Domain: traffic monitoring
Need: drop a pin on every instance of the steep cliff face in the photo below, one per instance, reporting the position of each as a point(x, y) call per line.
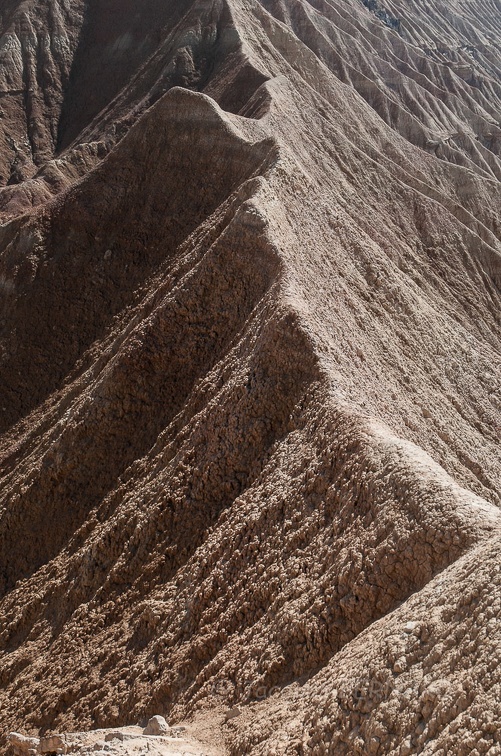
point(249, 370)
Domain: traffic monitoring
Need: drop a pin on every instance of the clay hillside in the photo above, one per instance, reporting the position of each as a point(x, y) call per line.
point(250, 376)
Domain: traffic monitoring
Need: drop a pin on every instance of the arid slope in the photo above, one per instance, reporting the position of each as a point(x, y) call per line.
point(250, 371)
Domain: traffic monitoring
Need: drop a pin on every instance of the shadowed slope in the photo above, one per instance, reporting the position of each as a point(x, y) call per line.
point(79, 262)
point(57, 124)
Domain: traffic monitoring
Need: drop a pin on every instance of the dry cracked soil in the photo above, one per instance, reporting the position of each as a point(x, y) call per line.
point(250, 377)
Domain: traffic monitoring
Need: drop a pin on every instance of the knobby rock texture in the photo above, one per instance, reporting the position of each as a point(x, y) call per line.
point(250, 375)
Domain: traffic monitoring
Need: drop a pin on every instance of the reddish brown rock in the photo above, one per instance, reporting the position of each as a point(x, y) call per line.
point(249, 373)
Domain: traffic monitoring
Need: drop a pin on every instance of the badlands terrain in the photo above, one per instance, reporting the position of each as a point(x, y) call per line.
point(250, 376)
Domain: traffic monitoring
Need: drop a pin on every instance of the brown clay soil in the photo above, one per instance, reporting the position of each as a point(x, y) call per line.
point(250, 374)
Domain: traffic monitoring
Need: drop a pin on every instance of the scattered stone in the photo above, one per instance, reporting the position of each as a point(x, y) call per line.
point(119, 735)
point(410, 627)
point(157, 726)
point(177, 732)
point(22, 745)
point(232, 713)
point(52, 744)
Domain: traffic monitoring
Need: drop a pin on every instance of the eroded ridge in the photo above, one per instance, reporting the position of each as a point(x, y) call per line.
point(250, 383)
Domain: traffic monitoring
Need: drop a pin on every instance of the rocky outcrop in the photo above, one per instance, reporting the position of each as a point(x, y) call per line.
point(123, 741)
